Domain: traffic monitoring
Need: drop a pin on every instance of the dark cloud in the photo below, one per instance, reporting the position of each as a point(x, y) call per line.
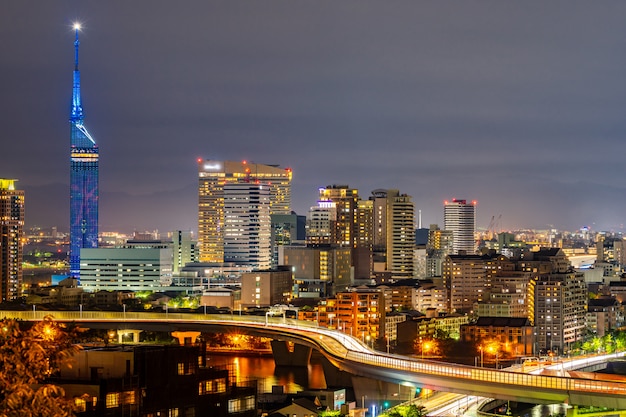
point(517, 105)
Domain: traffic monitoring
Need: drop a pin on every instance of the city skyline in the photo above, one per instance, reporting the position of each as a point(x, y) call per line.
point(516, 106)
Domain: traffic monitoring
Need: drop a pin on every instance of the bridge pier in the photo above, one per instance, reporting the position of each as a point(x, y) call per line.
point(290, 354)
point(380, 392)
point(125, 333)
point(186, 338)
point(334, 376)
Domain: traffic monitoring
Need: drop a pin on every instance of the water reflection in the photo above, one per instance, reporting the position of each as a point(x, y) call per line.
point(263, 369)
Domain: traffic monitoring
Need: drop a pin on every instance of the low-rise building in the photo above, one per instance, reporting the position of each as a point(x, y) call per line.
point(513, 336)
point(603, 315)
point(266, 288)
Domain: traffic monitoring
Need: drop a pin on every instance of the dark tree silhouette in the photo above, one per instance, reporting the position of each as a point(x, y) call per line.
point(28, 357)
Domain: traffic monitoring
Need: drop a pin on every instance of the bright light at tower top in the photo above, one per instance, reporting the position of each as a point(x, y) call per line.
point(76, 26)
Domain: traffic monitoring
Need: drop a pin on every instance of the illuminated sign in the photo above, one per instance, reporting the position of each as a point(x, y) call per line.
point(210, 167)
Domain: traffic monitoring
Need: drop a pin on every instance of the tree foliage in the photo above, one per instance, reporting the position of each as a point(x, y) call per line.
point(28, 357)
point(410, 410)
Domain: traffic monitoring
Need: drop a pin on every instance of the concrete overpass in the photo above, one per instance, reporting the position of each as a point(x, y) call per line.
point(351, 355)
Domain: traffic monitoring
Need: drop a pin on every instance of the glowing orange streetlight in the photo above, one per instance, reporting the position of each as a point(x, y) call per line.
point(426, 346)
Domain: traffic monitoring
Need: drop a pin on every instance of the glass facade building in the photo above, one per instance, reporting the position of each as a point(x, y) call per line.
point(83, 178)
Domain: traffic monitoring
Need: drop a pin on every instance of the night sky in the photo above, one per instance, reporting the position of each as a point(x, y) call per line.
point(518, 105)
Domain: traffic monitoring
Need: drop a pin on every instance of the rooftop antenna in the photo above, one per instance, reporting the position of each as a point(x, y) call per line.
point(77, 107)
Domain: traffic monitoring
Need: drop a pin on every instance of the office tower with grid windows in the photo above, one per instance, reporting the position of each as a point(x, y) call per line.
point(394, 231)
point(213, 176)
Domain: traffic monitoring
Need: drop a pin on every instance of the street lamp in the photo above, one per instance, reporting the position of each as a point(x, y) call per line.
point(481, 355)
point(425, 347)
point(494, 351)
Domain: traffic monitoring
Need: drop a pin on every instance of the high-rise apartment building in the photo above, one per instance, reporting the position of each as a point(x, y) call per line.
point(345, 201)
point(438, 247)
point(11, 234)
point(83, 177)
point(459, 216)
point(353, 225)
point(394, 231)
point(560, 310)
point(213, 176)
point(247, 225)
point(320, 224)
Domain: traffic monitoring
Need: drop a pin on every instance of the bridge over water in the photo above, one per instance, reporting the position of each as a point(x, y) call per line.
point(351, 355)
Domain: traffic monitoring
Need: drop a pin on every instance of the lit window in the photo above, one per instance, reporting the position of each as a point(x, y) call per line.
point(129, 397)
point(80, 404)
point(112, 400)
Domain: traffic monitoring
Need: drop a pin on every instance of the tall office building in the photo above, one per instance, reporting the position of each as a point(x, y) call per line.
point(83, 177)
point(11, 234)
point(320, 224)
point(213, 175)
point(247, 225)
point(459, 216)
point(394, 231)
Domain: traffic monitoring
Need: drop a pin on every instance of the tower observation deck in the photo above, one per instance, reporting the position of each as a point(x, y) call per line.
point(83, 177)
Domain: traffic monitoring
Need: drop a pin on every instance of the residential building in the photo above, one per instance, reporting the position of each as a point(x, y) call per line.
point(66, 293)
point(604, 314)
point(431, 296)
point(467, 280)
point(320, 224)
point(512, 336)
point(417, 327)
point(438, 247)
point(360, 312)
point(459, 217)
point(154, 381)
point(11, 235)
point(560, 310)
point(512, 294)
point(352, 228)
point(319, 271)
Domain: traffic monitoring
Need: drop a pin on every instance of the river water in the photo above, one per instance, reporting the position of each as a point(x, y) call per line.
point(294, 379)
point(268, 375)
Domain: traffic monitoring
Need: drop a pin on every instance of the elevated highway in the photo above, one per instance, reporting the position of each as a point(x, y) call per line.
point(351, 355)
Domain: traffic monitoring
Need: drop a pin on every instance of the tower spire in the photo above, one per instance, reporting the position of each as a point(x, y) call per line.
point(83, 177)
point(77, 107)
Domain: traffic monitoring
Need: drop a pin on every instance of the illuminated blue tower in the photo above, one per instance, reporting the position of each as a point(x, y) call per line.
point(83, 177)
